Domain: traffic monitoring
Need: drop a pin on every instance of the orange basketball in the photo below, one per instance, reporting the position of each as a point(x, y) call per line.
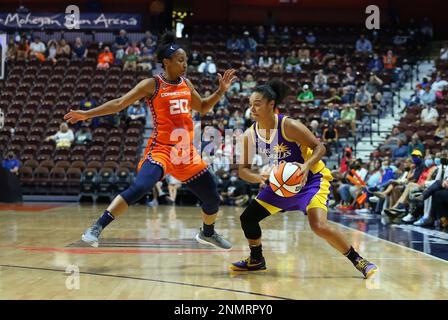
point(285, 179)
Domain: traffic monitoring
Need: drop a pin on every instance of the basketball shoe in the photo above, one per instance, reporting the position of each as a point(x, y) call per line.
point(214, 240)
point(249, 265)
point(365, 267)
point(91, 235)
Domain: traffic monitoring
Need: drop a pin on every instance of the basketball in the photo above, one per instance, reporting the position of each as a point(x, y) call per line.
point(285, 179)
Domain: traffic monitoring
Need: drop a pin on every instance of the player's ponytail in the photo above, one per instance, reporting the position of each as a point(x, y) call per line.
point(275, 90)
point(167, 46)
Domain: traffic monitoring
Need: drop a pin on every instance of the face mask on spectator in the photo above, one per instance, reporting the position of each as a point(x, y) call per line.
point(429, 162)
point(437, 161)
point(384, 167)
point(348, 154)
point(233, 178)
point(417, 160)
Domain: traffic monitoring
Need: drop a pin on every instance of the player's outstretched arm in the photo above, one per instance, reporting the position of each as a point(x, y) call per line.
point(142, 89)
point(203, 105)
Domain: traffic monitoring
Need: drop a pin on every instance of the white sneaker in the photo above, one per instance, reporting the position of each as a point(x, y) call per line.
point(409, 218)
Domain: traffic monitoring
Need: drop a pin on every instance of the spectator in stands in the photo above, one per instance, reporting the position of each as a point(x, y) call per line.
point(11, 53)
point(304, 54)
point(173, 186)
point(83, 136)
point(429, 169)
point(221, 164)
point(439, 85)
point(249, 62)
point(346, 160)
point(264, 60)
point(392, 142)
point(390, 60)
point(234, 44)
point(292, 63)
point(63, 138)
point(120, 44)
point(89, 103)
point(2, 119)
point(234, 190)
point(330, 67)
point(427, 96)
point(363, 99)
point(330, 137)
point(426, 27)
point(23, 49)
point(320, 81)
point(130, 59)
point(136, 112)
point(415, 144)
point(223, 103)
point(363, 44)
point(401, 151)
point(441, 131)
point(79, 51)
point(285, 36)
point(279, 61)
point(11, 163)
point(195, 60)
point(310, 38)
point(134, 47)
point(261, 34)
point(429, 115)
point(376, 64)
point(373, 86)
point(306, 96)
point(105, 59)
point(63, 50)
point(52, 51)
point(37, 49)
point(314, 127)
point(148, 37)
point(317, 56)
point(208, 67)
point(348, 117)
point(144, 60)
point(248, 43)
point(439, 205)
point(331, 115)
point(237, 120)
point(334, 97)
point(247, 85)
point(444, 52)
point(348, 78)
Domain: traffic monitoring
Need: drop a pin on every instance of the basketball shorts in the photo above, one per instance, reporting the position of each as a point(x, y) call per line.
point(315, 194)
point(183, 163)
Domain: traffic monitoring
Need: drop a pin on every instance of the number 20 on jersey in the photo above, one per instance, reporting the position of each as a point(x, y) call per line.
point(179, 106)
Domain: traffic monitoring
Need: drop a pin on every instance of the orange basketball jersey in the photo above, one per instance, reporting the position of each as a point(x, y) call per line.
point(170, 107)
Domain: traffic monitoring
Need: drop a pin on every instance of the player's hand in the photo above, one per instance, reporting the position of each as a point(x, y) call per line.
point(226, 81)
point(304, 170)
point(75, 115)
point(445, 184)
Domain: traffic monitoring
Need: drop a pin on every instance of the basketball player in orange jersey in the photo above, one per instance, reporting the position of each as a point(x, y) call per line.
point(171, 98)
point(279, 138)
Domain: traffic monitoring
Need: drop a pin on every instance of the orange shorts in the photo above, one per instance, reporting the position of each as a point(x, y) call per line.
point(184, 164)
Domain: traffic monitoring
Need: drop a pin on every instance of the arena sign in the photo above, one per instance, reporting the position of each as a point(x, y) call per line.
point(98, 21)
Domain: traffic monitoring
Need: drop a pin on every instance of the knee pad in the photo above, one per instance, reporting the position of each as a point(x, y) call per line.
point(250, 219)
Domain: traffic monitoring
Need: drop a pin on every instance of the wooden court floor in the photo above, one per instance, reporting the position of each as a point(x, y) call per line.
point(150, 254)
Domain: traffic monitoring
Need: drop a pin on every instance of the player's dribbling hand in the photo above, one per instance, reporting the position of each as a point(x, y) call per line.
point(226, 81)
point(75, 115)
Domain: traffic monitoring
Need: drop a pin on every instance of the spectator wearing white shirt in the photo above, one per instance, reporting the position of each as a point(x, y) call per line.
point(63, 138)
point(37, 46)
point(2, 119)
point(208, 67)
point(444, 53)
point(439, 85)
point(429, 115)
point(265, 61)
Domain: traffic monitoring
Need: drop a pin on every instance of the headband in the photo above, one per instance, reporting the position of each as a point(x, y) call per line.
point(170, 49)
